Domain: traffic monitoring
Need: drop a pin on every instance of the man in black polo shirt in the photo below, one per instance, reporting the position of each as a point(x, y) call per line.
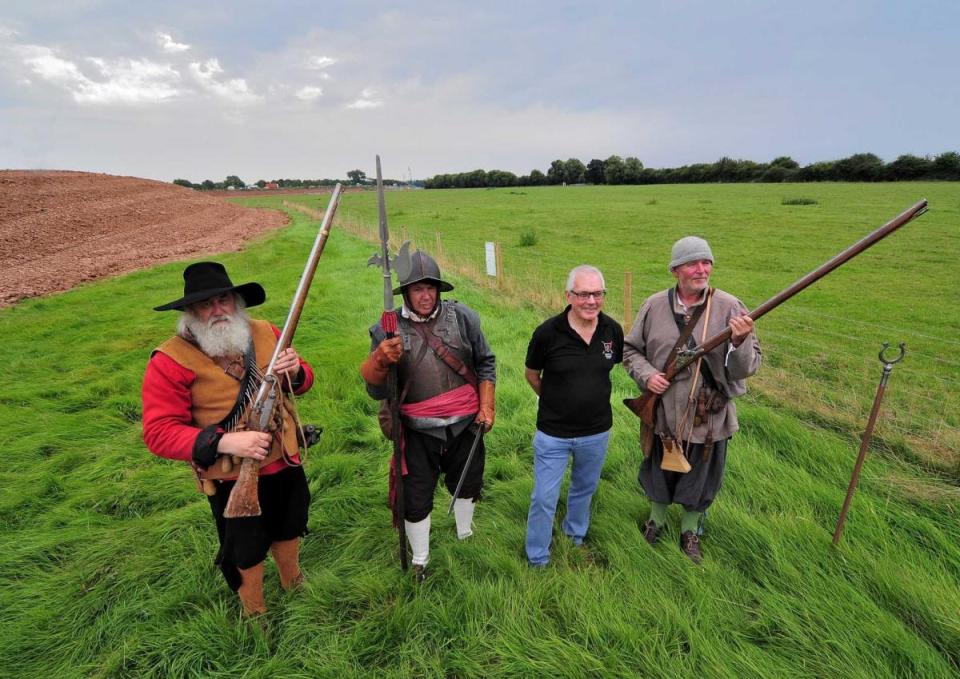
point(569, 360)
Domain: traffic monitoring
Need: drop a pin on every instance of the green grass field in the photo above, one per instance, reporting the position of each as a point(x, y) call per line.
point(106, 552)
point(820, 348)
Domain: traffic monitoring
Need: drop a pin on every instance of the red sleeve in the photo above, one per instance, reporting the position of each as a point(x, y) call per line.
point(167, 422)
point(307, 370)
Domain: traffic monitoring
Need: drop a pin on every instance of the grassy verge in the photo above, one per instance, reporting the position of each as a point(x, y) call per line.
point(105, 551)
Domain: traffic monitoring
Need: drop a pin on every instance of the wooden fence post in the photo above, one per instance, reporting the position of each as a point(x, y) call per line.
point(627, 300)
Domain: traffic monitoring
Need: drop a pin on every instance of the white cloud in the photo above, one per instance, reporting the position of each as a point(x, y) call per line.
point(130, 81)
point(168, 44)
point(124, 81)
point(367, 100)
point(235, 90)
point(308, 93)
point(319, 63)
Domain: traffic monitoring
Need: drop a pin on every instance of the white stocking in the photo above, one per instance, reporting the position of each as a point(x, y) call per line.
point(463, 511)
point(419, 536)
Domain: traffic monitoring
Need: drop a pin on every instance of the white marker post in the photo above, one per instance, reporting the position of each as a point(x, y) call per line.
point(491, 253)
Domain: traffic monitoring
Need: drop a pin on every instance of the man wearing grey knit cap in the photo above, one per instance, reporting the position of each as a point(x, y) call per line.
point(695, 416)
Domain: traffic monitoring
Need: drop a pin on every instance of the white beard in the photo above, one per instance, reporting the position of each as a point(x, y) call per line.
point(218, 339)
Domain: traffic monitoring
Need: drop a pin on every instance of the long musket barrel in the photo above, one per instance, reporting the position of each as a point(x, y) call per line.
point(643, 406)
point(244, 500)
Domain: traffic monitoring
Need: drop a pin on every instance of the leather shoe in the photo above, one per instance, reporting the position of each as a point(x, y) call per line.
point(690, 545)
point(651, 531)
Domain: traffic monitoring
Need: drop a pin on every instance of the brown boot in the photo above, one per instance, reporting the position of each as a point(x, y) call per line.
point(651, 531)
point(690, 545)
point(251, 591)
point(286, 554)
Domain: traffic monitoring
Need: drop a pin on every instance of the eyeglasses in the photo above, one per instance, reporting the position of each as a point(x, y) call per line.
point(584, 296)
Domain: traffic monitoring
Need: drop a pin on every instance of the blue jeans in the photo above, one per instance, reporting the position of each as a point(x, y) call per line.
point(549, 463)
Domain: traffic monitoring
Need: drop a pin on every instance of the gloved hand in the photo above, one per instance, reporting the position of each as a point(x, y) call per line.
point(375, 368)
point(487, 412)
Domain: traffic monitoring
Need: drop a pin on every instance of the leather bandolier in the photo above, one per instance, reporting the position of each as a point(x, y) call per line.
point(423, 374)
point(214, 393)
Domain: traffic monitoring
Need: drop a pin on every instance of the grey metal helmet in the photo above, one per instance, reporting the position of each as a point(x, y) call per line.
point(416, 268)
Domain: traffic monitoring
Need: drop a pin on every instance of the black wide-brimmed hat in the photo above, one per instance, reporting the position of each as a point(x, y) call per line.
point(204, 280)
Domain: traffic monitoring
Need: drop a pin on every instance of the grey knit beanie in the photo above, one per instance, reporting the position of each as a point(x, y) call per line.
point(689, 249)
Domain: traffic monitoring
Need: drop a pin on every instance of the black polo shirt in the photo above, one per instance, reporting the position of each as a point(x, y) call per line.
point(575, 377)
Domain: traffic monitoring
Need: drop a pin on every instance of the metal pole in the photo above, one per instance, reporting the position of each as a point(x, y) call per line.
point(867, 435)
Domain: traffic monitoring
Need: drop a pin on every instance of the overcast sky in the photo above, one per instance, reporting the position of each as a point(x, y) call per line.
point(267, 90)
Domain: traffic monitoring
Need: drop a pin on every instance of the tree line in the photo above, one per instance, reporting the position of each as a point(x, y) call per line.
point(239, 184)
point(860, 167)
point(354, 178)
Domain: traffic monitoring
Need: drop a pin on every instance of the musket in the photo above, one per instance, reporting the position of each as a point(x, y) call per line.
point(388, 320)
point(244, 500)
point(645, 405)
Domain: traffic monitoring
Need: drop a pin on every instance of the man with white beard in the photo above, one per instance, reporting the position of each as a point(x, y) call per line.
point(196, 390)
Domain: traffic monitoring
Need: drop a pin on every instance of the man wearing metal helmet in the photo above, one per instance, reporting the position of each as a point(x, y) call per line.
point(695, 416)
point(446, 375)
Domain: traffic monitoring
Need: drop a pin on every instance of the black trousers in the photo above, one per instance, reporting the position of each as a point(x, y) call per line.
point(696, 489)
point(426, 457)
point(284, 501)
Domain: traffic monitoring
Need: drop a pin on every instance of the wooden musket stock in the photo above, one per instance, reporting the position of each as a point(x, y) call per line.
point(244, 500)
point(644, 406)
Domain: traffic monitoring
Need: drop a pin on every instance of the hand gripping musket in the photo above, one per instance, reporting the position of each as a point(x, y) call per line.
point(244, 499)
point(388, 320)
point(645, 405)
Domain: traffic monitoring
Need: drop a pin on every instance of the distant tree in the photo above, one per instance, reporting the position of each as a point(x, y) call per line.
point(860, 167)
point(574, 172)
point(775, 174)
point(557, 173)
point(632, 170)
point(823, 171)
point(908, 167)
point(235, 181)
point(208, 185)
point(501, 178)
point(261, 183)
point(594, 174)
point(357, 176)
point(786, 162)
point(184, 182)
point(947, 165)
point(613, 170)
point(537, 178)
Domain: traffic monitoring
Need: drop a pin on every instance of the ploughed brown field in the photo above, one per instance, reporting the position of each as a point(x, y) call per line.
point(59, 229)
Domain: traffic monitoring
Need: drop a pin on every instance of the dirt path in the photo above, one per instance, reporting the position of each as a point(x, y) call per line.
point(58, 229)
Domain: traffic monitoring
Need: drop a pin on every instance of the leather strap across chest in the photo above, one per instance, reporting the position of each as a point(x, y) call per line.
point(443, 352)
